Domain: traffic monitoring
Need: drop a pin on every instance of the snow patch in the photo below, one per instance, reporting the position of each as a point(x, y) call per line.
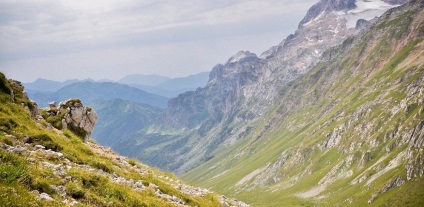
point(309, 39)
point(365, 9)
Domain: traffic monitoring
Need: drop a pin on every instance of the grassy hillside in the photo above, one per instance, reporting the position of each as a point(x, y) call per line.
point(348, 133)
point(49, 167)
point(120, 118)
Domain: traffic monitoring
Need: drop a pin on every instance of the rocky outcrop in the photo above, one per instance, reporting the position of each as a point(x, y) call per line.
point(78, 118)
point(18, 95)
point(38, 154)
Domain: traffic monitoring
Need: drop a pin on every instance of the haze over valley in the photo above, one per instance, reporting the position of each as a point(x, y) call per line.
point(329, 115)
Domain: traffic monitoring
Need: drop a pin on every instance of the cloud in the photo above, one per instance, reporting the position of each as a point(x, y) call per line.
point(37, 34)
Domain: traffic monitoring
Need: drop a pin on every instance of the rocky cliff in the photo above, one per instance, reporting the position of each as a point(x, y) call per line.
point(245, 87)
point(347, 133)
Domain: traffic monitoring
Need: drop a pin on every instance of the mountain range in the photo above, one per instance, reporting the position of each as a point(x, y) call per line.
point(331, 116)
point(44, 91)
point(347, 133)
point(246, 87)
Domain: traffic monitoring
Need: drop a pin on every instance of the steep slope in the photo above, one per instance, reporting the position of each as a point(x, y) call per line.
point(198, 124)
point(348, 133)
point(49, 167)
point(120, 118)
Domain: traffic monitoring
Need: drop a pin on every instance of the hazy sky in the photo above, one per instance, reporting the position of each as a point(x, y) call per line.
point(66, 39)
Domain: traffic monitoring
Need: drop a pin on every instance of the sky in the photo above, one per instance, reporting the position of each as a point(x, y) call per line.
point(109, 39)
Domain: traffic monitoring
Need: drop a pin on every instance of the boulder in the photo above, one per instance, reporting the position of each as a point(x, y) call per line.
point(78, 118)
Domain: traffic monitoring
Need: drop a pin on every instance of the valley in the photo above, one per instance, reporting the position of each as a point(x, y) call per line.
point(331, 116)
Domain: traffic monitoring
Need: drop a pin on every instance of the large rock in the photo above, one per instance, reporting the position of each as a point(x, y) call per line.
point(78, 118)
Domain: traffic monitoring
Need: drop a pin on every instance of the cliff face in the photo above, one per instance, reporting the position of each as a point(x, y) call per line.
point(348, 132)
point(245, 87)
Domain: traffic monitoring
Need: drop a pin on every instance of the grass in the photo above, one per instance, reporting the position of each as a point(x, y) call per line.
point(20, 174)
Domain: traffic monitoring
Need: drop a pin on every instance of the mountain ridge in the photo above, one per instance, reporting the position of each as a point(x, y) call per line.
point(238, 93)
point(349, 132)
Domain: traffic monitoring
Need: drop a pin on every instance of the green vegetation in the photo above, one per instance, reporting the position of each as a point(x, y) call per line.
point(338, 135)
point(69, 170)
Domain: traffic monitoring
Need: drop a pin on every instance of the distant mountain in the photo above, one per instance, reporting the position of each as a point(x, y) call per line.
point(188, 83)
point(173, 87)
point(90, 91)
point(41, 90)
point(149, 80)
point(120, 118)
point(43, 85)
point(158, 90)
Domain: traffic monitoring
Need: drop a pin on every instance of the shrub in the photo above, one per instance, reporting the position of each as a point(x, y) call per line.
point(74, 191)
point(42, 185)
point(45, 140)
point(102, 166)
point(4, 84)
point(56, 121)
point(93, 181)
point(77, 131)
point(132, 162)
point(7, 124)
point(8, 141)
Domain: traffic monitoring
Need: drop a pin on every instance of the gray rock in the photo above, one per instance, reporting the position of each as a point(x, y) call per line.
point(79, 117)
point(52, 104)
point(39, 146)
point(45, 196)
point(139, 184)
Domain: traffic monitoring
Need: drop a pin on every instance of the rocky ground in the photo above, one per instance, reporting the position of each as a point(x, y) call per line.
point(36, 154)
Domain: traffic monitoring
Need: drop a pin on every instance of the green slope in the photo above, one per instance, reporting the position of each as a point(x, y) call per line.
point(121, 118)
point(349, 132)
point(50, 167)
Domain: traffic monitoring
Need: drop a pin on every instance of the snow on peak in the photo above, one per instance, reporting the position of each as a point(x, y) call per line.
point(365, 9)
point(241, 55)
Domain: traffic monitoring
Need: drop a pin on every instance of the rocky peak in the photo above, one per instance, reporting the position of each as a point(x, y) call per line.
point(327, 6)
point(234, 65)
point(240, 56)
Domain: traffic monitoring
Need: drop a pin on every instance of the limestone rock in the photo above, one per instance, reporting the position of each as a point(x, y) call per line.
point(78, 117)
point(45, 196)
